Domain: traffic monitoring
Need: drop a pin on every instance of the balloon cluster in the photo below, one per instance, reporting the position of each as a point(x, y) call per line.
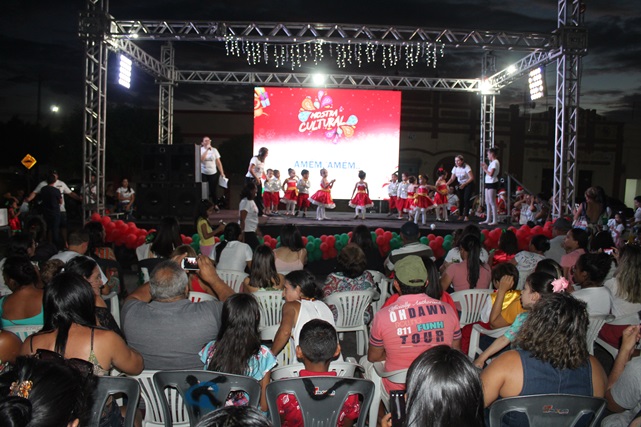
point(490, 238)
point(127, 234)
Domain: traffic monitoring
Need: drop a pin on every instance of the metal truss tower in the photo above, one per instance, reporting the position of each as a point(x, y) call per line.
point(94, 24)
point(566, 46)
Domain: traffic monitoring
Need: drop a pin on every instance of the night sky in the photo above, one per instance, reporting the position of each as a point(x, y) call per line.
point(39, 43)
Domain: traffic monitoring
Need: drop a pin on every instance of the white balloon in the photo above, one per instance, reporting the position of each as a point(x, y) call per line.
point(433, 226)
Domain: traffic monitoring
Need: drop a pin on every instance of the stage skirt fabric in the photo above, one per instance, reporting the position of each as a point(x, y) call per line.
point(422, 200)
point(400, 204)
point(291, 192)
point(361, 198)
point(409, 203)
point(440, 199)
point(323, 198)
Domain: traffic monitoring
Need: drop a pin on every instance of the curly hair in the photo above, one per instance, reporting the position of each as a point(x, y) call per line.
point(351, 261)
point(555, 331)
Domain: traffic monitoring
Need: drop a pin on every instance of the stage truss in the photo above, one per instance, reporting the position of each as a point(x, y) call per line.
point(565, 46)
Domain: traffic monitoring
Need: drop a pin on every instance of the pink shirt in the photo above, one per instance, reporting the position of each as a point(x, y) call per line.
point(413, 324)
point(458, 274)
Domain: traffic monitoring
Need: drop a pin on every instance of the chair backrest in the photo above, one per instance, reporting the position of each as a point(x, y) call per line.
point(204, 391)
point(147, 266)
point(23, 331)
point(287, 355)
point(320, 398)
point(471, 301)
point(114, 305)
point(384, 286)
point(342, 369)
point(234, 279)
point(200, 296)
point(107, 386)
point(154, 415)
point(551, 410)
point(350, 307)
point(596, 322)
point(271, 307)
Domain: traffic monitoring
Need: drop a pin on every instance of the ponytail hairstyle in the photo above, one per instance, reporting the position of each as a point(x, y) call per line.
point(440, 172)
point(472, 245)
point(307, 283)
point(361, 175)
point(232, 232)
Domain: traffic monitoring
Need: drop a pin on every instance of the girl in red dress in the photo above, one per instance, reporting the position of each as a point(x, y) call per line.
point(440, 198)
point(360, 197)
point(323, 197)
point(409, 202)
point(422, 201)
point(291, 192)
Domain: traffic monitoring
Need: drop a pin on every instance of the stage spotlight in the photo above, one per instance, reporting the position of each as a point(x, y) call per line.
point(319, 79)
point(486, 87)
point(124, 77)
point(537, 84)
point(511, 69)
point(55, 109)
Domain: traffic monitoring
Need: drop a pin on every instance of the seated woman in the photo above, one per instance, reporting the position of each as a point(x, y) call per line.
point(302, 303)
point(443, 389)
point(362, 237)
point(350, 276)
point(19, 245)
point(626, 295)
point(263, 275)
point(39, 393)
point(291, 255)
point(471, 272)
point(161, 243)
point(237, 348)
point(589, 272)
point(89, 270)
point(230, 253)
point(24, 305)
point(552, 356)
point(575, 244)
point(97, 245)
point(70, 330)
point(526, 261)
point(507, 250)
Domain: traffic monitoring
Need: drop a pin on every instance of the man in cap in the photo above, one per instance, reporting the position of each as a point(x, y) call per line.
point(559, 230)
point(411, 246)
point(414, 323)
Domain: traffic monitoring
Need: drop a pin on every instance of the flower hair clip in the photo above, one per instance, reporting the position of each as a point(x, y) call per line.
point(20, 389)
point(560, 285)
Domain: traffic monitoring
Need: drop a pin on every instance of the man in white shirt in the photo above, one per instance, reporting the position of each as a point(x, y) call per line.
point(64, 190)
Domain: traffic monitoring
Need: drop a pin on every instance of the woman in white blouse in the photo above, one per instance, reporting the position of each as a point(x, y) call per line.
point(491, 185)
point(462, 172)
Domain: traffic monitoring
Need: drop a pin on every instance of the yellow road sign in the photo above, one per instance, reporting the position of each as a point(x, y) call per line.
point(28, 161)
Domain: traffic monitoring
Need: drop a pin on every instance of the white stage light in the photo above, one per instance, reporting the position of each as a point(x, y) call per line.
point(55, 109)
point(319, 79)
point(537, 84)
point(511, 69)
point(124, 77)
point(486, 87)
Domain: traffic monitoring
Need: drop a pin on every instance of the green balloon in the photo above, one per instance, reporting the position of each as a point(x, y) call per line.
point(309, 247)
point(448, 237)
point(424, 240)
point(482, 237)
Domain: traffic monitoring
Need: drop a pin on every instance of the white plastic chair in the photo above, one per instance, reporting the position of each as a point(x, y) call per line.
point(471, 302)
point(632, 319)
point(287, 355)
point(114, 305)
point(350, 308)
point(153, 406)
point(234, 279)
point(596, 323)
point(23, 331)
point(200, 296)
point(475, 337)
point(384, 285)
point(342, 369)
point(271, 312)
point(376, 375)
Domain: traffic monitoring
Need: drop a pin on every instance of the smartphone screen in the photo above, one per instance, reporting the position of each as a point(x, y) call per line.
point(189, 263)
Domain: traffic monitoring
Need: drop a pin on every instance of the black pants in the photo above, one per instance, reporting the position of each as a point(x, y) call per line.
point(259, 194)
point(212, 180)
point(464, 196)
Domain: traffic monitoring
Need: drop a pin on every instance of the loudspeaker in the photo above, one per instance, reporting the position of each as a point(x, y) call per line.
point(184, 199)
point(152, 200)
point(155, 163)
point(170, 163)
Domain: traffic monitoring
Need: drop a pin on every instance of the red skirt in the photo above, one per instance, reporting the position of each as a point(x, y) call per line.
point(323, 198)
point(361, 199)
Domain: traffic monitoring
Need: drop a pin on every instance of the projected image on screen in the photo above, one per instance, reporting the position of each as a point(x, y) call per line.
point(341, 130)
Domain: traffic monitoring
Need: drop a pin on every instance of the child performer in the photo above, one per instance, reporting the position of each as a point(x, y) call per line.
point(13, 214)
point(323, 197)
point(392, 191)
point(422, 201)
point(401, 195)
point(291, 192)
point(271, 192)
point(501, 202)
point(452, 200)
point(440, 197)
point(409, 202)
point(303, 192)
point(361, 201)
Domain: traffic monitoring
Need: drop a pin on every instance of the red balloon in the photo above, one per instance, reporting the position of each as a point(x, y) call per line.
point(485, 232)
point(141, 232)
point(431, 237)
point(331, 240)
point(323, 247)
point(379, 231)
point(305, 240)
point(440, 239)
point(95, 217)
point(440, 252)
point(434, 245)
point(109, 227)
point(140, 240)
point(323, 238)
point(105, 220)
point(495, 234)
point(119, 223)
point(333, 253)
point(188, 240)
point(130, 240)
point(350, 234)
point(512, 229)
point(388, 235)
point(380, 241)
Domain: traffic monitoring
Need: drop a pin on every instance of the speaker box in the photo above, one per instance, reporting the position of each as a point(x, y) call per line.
point(155, 167)
point(170, 163)
point(184, 199)
point(152, 200)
